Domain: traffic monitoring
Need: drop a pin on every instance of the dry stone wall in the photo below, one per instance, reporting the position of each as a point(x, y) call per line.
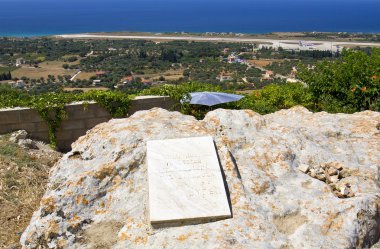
point(81, 118)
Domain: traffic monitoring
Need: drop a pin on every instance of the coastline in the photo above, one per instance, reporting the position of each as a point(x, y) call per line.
point(244, 38)
point(184, 33)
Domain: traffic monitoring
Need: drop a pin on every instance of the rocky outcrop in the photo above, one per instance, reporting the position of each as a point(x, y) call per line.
point(295, 179)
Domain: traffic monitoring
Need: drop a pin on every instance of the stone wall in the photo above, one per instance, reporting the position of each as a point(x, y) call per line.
point(80, 119)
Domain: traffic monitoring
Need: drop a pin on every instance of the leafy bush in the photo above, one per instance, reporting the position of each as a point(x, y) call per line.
point(51, 106)
point(276, 97)
point(11, 98)
point(270, 99)
point(349, 84)
point(181, 92)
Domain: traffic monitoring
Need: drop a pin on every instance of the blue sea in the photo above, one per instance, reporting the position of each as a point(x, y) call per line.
point(47, 17)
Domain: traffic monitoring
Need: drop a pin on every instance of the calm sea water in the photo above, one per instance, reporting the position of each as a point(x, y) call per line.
point(46, 17)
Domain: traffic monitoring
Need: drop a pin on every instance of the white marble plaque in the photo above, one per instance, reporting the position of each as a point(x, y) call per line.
point(185, 181)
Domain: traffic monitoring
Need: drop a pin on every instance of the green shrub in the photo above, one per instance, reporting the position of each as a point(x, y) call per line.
point(276, 97)
point(270, 99)
point(349, 84)
point(51, 106)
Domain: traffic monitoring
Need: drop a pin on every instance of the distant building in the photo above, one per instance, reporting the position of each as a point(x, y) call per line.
point(223, 76)
point(290, 80)
point(89, 54)
point(100, 73)
point(127, 80)
point(310, 67)
point(19, 62)
point(117, 86)
point(305, 44)
point(293, 73)
point(231, 58)
point(268, 75)
point(155, 83)
point(20, 84)
point(96, 82)
point(146, 81)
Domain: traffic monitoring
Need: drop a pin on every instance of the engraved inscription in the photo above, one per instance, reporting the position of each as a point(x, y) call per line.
point(194, 173)
point(185, 181)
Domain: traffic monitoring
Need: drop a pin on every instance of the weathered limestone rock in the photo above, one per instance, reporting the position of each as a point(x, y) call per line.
point(304, 168)
point(27, 144)
point(98, 193)
point(332, 171)
point(18, 135)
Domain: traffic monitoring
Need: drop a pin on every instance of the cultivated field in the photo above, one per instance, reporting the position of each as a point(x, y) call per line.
point(4, 69)
point(44, 69)
point(85, 75)
point(263, 63)
point(84, 89)
point(169, 75)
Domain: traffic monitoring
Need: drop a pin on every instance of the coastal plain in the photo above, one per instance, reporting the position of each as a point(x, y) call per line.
point(275, 43)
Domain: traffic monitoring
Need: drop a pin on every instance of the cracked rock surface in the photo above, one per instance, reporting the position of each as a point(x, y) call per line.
point(296, 179)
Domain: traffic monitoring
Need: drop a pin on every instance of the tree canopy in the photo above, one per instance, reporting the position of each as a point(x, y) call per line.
point(349, 84)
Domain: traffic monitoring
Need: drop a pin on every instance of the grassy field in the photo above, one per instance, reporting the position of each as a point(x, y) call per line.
point(23, 178)
point(263, 63)
point(169, 75)
point(85, 89)
point(50, 68)
point(85, 75)
point(6, 69)
point(44, 69)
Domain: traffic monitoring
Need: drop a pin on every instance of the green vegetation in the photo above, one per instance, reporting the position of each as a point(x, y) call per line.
point(5, 76)
point(6, 69)
point(343, 82)
point(146, 61)
point(270, 99)
point(343, 35)
point(276, 97)
point(50, 106)
point(181, 92)
point(309, 55)
point(349, 84)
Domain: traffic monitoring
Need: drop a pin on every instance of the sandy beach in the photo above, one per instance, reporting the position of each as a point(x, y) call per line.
point(286, 44)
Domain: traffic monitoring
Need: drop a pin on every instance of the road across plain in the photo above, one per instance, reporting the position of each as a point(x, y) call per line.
point(286, 44)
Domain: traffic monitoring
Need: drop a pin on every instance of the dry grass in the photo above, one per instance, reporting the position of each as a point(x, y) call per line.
point(85, 75)
point(169, 75)
point(85, 89)
point(246, 91)
point(23, 177)
point(263, 63)
point(44, 69)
